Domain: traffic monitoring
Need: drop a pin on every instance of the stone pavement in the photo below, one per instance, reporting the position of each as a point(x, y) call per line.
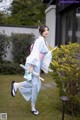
point(48, 85)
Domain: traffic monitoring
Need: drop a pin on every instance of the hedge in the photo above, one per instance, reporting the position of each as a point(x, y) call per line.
point(66, 73)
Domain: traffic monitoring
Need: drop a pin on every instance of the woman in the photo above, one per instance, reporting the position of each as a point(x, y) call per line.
point(30, 88)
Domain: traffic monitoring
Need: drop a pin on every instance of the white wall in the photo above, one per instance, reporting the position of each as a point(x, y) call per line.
point(51, 23)
point(8, 30)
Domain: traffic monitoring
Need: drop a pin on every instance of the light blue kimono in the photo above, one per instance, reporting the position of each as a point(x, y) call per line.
point(30, 89)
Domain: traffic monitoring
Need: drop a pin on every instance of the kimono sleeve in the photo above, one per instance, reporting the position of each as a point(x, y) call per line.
point(46, 62)
point(34, 57)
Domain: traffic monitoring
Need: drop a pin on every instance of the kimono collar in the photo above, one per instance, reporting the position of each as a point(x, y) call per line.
point(41, 37)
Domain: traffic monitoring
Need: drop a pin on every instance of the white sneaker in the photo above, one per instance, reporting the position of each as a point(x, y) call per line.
point(35, 112)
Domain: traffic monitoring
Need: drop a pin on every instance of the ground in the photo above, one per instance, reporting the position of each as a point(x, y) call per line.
point(17, 108)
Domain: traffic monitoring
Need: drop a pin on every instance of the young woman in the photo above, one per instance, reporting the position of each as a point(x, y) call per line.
point(34, 62)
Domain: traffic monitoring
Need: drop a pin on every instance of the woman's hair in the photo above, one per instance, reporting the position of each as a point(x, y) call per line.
point(42, 29)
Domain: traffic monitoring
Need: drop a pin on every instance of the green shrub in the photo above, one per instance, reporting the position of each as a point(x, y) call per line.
point(8, 67)
point(21, 46)
point(4, 43)
point(66, 72)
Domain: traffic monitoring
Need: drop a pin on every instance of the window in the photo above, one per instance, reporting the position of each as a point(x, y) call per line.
point(66, 27)
point(78, 25)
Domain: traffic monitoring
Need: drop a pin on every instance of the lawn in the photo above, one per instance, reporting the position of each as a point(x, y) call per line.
point(18, 109)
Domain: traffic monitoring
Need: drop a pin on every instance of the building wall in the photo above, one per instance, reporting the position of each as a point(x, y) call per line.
point(8, 30)
point(51, 23)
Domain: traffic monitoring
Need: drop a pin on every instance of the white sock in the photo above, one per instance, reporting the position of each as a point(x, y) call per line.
point(15, 86)
point(33, 108)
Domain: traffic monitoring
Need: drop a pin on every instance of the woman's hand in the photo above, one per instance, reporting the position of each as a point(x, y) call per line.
point(54, 48)
point(31, 68)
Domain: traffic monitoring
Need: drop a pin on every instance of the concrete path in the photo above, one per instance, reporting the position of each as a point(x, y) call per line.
point(48, 85)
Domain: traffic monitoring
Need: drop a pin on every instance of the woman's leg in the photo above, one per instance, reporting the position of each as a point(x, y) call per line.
point(36, 85)
point(25, 89)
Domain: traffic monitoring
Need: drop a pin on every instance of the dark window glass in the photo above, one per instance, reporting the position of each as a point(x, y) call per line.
point(69, 26)
point(66, 27)
point(78, 25)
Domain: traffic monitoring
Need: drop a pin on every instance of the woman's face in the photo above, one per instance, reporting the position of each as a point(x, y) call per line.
point(45, 33)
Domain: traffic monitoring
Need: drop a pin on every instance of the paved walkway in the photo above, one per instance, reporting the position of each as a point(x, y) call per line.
point(48, 85)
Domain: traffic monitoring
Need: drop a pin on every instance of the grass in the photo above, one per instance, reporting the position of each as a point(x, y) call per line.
point(18, 109)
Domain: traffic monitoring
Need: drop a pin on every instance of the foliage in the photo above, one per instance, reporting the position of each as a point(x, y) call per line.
point(26, 12)
point(2, 18)
point(66, 72)
point(21, 46)
point(4, 43)
point(9, 68)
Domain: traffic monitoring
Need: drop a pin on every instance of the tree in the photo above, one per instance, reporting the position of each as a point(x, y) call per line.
point(2, 17)
point(26, 12)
